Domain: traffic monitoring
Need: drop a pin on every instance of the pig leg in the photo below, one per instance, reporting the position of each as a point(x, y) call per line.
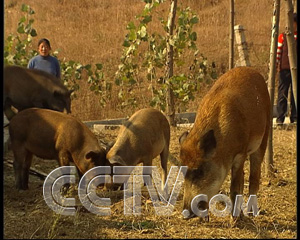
point(237, 177)
point(26, 168)
point(22, 164)
point(164, 164)
point(64, 159)
point(147, 174)
point(256, 159)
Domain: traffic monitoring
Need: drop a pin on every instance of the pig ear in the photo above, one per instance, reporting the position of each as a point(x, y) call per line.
point(95, 154)
point(208, 143)
point(183, 137)
point(109, 145)
point(117, 160)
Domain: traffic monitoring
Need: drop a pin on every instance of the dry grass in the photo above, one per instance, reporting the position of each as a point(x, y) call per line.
point(26, 214)
point(91, 31)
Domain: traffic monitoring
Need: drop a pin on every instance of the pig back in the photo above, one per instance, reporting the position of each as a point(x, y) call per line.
point(28, 87)
point(46, 132)
point(239, 98)
point(146, 133)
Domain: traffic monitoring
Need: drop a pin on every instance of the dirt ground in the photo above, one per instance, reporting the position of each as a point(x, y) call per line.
point(26, 214)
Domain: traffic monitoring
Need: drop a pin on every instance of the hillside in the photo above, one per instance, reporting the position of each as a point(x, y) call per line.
point(91, 31)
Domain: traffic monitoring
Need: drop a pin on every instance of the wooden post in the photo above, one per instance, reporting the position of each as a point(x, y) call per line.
point(292, 54)
point(170, 64)
point(231, 34)
point(269, 168)
point(241, 45)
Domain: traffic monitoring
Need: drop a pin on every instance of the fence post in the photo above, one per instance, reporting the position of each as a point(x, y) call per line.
point(231, 34)
point(241, 45)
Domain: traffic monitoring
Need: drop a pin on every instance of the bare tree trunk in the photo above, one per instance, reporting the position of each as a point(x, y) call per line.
point(170, 94)
point(231, 34)
point(291, 46)
point(271, 83)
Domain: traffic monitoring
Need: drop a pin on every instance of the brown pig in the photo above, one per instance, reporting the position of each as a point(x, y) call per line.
point(144, 136)
point(26, 88)
point(50, 134)
point(232, 122)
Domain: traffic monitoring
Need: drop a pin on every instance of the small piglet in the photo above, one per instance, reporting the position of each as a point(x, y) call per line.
point(144, 136)
point(50, 134)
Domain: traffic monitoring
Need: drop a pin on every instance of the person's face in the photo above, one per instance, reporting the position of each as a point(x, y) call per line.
point(44, 49)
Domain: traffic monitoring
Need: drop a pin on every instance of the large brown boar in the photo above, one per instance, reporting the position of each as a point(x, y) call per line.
point(144, 136)
point(50, 134)
point(232, 122)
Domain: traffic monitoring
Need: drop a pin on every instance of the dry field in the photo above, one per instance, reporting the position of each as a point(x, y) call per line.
point(93, 31)
point(26, 215)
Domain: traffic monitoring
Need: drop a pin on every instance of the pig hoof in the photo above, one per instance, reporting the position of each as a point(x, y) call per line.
point(187, 215)
point(204, 219)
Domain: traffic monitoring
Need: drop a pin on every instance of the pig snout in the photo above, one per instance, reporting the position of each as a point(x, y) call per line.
point(193, 207)
point(187, 214)
point(188, 197)
point(92, 159)
point(197, 210)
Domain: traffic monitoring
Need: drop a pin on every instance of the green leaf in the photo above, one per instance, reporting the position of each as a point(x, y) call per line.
point(99, 66)
point(20, 29)
point(33, 32)
point(79, 67)
point(118, 81)
point(22, 20)
point(193, 36)
point(88, 66)
point(214, 75)
point(90, 79)
point(132, 81)
point(194, 20)
point(131, 26)
point(147, 19)
point(24, 8)
point(143, 31)
point(31, 11)
point(171, 42)
point(126, 43)
point(77, 75)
